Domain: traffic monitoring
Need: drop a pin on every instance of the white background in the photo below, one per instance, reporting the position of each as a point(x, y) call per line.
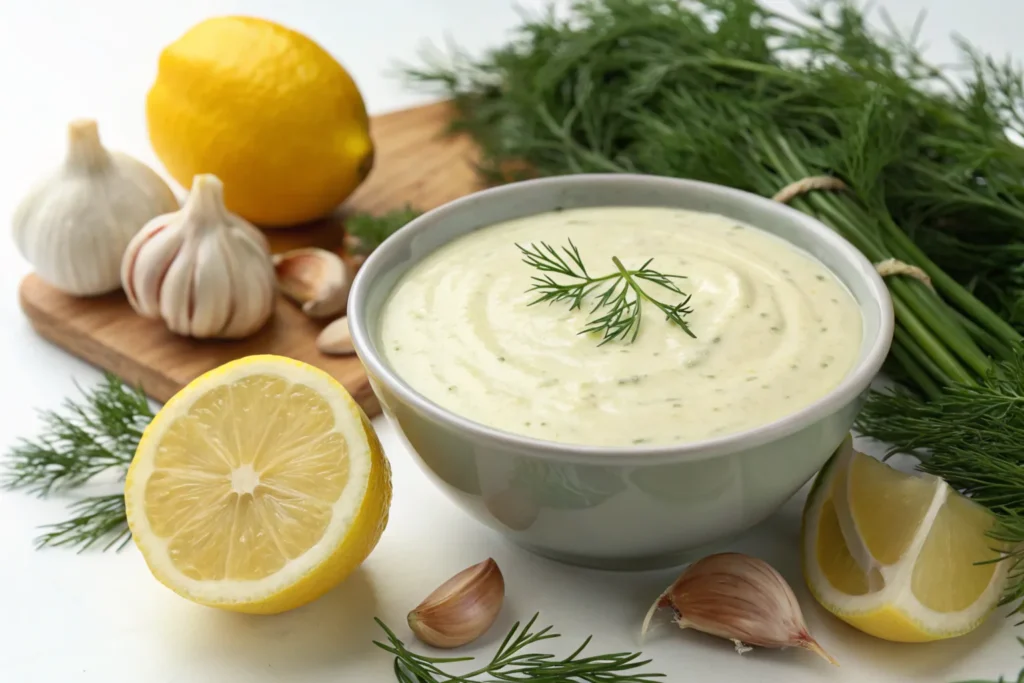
point(102, 617)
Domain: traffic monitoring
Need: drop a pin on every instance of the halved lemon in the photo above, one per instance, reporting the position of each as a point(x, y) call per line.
point(258, 487)
point(900, 556)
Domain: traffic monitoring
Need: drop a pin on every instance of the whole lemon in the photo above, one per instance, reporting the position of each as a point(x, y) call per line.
point(266, 110)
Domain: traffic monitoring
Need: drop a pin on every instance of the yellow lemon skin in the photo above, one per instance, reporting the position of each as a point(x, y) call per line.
point(360, 540)
point(891, 624)
point(266, 110)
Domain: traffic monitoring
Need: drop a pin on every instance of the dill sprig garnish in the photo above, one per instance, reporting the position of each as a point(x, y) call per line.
point(511, 663)
point(619, 292)
point(93, 436)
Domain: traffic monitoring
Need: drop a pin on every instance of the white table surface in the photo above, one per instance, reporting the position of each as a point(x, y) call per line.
point(102, 617)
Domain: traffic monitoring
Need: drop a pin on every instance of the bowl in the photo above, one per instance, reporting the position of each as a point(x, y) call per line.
point(617, 508)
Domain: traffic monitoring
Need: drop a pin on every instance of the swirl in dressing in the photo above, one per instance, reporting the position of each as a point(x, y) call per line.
point(775, 330)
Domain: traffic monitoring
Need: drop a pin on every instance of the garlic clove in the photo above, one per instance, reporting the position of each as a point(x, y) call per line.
point(336, 339)
point(253, 310)
point(176, 292)
point(739, 598)
point(317, 279)
point(208, 313)
point(142, 270)
point(461, 609)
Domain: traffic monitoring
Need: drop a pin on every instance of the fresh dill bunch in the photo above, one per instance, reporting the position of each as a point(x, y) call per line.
point(89, 437)
point(619, 292)
point(970, 435)
point(511, 663)
point(366, 232)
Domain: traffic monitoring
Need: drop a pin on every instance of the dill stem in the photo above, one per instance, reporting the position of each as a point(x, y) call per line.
point(926, 316)
point(943, 319)
point(984, 338)
point(627, 275)
point(924, 333)
point(954, 340)
point(933, 313)
point(908, 362)
point(931, 344)
point(955, 291)
point(901, 337)
point(922, 322)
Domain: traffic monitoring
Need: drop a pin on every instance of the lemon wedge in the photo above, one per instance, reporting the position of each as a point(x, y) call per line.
point(258, 487)
point(899, 556)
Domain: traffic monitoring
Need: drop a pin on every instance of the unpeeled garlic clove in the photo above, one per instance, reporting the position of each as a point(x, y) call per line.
point(462, 608)
point(336, 339)
point(317, 279)
point(740, 598)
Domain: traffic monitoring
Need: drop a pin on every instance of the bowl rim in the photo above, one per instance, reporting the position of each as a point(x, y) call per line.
point(846, 392)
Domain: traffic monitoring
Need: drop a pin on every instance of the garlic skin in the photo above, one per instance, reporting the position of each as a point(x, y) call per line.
point(75, 223)
point(317, 279)
point(739, 598)
point(462, 608)
point(206, 272)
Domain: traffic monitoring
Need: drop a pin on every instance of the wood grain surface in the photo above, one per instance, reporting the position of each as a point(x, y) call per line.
point(416, 164)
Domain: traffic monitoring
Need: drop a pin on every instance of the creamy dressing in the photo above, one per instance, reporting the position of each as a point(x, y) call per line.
point(775, 330)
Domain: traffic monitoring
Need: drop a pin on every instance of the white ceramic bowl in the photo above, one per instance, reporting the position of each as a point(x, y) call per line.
point(635, 507)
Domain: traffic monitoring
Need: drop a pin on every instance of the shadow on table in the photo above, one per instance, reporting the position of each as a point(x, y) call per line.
point(321, 635)
point(921, 661)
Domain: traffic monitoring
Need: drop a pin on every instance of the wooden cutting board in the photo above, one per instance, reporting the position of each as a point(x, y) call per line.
point(415, 164)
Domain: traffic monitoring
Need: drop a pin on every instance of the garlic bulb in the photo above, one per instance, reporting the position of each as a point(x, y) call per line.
point(74, 224)
point(205, 271)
